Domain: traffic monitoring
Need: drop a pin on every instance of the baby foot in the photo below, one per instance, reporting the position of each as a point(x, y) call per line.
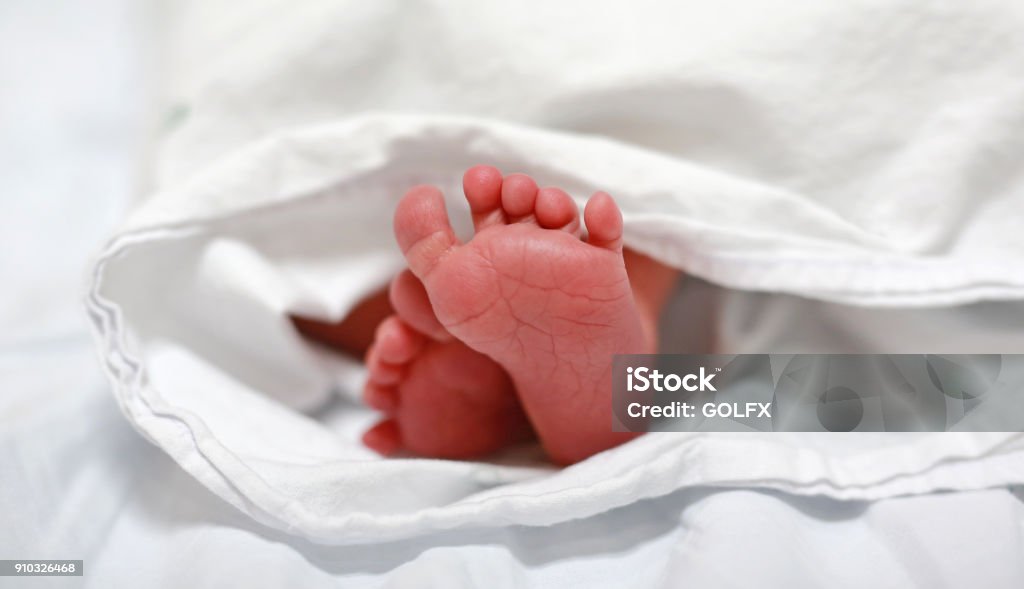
point(442, 399)
point(526, 291)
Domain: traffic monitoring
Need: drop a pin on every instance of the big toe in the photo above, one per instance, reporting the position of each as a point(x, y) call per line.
point(411, 302)
point(422, 229)
point(396, 342)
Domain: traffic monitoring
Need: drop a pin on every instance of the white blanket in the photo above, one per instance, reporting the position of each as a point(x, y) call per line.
point(862, 154)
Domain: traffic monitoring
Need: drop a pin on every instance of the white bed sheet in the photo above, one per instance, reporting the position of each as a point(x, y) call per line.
point(77, 482)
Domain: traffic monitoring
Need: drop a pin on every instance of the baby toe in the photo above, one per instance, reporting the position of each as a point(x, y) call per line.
point(518, 195)
point(380, 372)
point(384, 438)
point(482, 186)
point(604, 222)
point(556, 210)
point(381, 398)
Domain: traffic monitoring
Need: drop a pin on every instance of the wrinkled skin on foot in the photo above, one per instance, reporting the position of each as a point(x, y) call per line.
point(440, 398)
point(527, 292)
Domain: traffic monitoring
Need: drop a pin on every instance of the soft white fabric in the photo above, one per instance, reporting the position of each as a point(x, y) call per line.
point(865, 152)
point(862, 153)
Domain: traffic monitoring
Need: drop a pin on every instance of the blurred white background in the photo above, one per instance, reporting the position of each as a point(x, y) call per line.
point(76, 80)
point(75, 85)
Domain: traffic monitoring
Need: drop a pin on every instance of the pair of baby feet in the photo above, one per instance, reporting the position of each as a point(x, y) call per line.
point(516, 327)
